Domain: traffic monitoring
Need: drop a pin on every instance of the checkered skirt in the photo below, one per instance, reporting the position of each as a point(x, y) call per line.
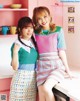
point(50, 66)
point(23, 86)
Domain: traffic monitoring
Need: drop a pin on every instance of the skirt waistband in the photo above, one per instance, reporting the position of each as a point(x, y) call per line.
point(53, 55)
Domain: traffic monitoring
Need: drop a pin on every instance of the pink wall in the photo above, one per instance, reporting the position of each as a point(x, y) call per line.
point(72, 39)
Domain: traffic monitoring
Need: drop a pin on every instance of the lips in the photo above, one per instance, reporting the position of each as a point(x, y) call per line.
point(43, 23)
point(29, 34)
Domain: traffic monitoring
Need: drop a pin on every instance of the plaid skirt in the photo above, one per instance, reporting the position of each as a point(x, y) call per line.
point(23, 86)
point(49, 66)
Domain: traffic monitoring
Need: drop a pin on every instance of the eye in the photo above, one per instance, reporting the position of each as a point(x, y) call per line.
point(26, 27)
point(39, 19)
point(31, 27)
point(45, 16)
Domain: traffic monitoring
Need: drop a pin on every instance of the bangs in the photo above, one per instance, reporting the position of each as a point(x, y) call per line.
point(27, 25)
point(41, 13)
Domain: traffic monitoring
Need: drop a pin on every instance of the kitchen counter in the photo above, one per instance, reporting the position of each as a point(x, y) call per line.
point(5, 76)
point(7, 73)
point(70, 87)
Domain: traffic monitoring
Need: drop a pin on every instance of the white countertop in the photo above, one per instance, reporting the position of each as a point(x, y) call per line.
point(5, 76)
point(70, 87)
point(7, 73)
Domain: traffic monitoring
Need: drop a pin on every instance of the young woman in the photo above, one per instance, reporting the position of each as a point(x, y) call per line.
point(24, 57)
point(52, 64)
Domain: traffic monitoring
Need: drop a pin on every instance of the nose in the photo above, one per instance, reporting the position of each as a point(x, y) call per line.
point(43, 20)
point(29, 30)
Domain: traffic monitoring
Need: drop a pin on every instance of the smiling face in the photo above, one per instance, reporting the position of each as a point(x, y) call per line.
point(43, 19)
point(27, 31)
point(25, 28)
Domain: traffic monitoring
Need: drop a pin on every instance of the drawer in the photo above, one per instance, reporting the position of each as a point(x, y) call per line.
point(5, 84)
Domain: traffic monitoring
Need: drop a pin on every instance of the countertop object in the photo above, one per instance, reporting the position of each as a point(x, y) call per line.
point(15, 6)
point(1, 6)
point(70, 87)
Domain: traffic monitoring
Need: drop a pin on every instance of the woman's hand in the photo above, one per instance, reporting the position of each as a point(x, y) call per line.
point(70, 74)
point(16, 48)
point(15, 60)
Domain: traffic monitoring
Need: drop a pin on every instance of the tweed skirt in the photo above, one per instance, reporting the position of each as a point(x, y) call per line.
point(49, 66)
point(23, 86)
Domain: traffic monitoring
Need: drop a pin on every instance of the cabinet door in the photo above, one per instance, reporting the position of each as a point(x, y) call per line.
point(31, 5)
point(5, 84)
point(46, 3)
point(57, 14)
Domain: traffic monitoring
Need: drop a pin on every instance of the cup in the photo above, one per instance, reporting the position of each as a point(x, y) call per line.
point(1, 6)
point(5, 30)
point(13, 29)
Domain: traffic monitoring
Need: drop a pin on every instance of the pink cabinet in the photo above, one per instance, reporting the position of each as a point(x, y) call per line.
point(4, 89)
point(11, 16)
point(57, 13)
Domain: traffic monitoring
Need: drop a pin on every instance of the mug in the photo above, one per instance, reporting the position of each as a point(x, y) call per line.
point(13, 29)
point(5, 30)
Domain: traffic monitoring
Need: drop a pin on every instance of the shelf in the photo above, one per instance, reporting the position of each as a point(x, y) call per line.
point(8, 35)
point(10, 16)
point(8, 9)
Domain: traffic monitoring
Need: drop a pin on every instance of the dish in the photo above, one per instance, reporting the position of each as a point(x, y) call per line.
point(15, 6)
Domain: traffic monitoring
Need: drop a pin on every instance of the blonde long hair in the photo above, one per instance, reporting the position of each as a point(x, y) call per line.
point(39, 11)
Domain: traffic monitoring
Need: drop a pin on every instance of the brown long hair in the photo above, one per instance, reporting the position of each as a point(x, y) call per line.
point(38, 11)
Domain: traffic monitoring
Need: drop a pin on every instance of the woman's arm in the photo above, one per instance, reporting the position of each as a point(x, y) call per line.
point(63, 57)
point(15, 62)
